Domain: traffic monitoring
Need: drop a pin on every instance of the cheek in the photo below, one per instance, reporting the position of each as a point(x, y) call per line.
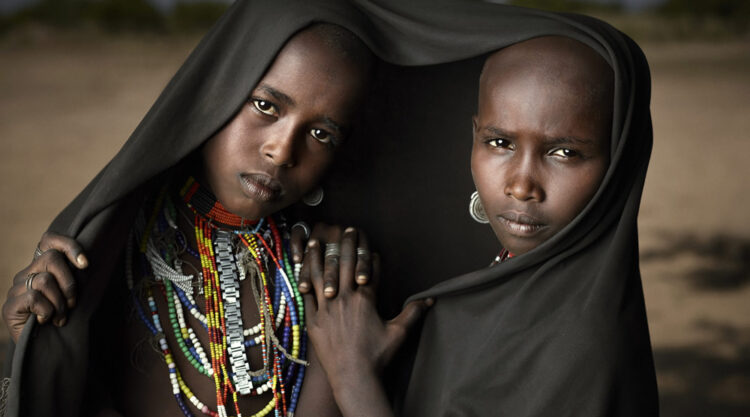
point(311, 168)
point(485, 169)
point(576, 190)
point(211, 156)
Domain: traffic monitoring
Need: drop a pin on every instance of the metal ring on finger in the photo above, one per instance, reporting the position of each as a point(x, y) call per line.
point(30, 280)
point(305, 228)
point(38, 252)
point(363, 252)
point(332, 250)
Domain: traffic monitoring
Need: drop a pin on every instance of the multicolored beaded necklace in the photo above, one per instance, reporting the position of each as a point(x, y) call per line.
point(501, 257)
point(257, 251)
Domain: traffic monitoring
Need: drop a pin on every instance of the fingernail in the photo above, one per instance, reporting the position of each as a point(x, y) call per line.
point(349, 230)
point(82, 261)
point(296, 258)
point(312, 243)
point(329, 291)
point(429, 302)
point(362, 279)
point(303, 286)
point(62, 322)
point(71, 302)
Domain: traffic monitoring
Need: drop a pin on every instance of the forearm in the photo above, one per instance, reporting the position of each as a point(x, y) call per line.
point(360, 393)
point(316, 396)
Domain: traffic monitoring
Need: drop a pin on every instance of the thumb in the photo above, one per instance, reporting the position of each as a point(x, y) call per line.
point(409, 316)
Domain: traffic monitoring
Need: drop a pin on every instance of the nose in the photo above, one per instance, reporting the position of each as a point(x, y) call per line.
point(523, 180)
point(278, 148)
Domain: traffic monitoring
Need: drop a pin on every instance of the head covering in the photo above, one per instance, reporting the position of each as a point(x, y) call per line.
point(559, 329)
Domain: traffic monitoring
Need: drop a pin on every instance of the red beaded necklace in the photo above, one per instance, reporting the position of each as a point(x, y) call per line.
point(209, 207)
point(501, 257)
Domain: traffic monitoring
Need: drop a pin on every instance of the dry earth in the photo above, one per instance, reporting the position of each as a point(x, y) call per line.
point(67, 103)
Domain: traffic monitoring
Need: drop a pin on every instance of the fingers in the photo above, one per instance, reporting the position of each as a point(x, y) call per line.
point(331, 259)
point(53, 262)
point(409, 316)
point(17, 310)
point(374, 280)
point(348, 260)
point(303, 281)
point(63, 278)
point(44, 285)
point(364, 260)
point(299, 235)
point(69, 247)
point(314, 264)
point(311, 307)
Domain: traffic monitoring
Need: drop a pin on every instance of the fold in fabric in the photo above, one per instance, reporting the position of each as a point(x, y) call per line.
point(560, 330)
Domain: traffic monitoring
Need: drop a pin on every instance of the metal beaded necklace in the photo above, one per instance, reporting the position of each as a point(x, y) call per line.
point(226, 257)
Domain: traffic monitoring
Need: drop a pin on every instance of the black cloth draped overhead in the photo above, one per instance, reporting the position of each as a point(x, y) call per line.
point(560, 330)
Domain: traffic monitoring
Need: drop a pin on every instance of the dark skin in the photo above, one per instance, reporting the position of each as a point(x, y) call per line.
point(275, 149)
point(541, 149)
point(541, 137)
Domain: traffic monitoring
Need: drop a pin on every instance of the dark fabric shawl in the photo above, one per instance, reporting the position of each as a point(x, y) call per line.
point(561, 330)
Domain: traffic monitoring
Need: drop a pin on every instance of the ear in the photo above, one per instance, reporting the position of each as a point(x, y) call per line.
point(474, 123)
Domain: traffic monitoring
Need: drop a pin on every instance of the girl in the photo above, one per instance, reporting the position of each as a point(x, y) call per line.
point(199, 246)
point(560, 329)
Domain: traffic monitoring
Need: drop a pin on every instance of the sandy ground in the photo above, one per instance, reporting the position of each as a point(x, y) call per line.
point(66, 106)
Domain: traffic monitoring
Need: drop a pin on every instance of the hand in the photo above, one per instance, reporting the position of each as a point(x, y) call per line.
point(298, 240)
point(353, 258)
point(346, 331)
point(52, 287)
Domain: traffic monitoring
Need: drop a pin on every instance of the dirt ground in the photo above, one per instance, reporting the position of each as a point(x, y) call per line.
point(67, 103)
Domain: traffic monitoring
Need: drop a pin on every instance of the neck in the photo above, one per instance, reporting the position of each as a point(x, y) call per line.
point(202, 202)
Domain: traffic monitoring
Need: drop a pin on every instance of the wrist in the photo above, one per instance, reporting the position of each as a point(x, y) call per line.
point(360, 392)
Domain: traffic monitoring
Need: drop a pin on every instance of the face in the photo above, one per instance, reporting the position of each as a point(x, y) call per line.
point(541, 138)
point(279, 144)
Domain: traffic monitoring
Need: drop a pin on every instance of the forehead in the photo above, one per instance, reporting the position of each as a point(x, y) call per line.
point(312, 72)
point(309, 52)
point(548, 83)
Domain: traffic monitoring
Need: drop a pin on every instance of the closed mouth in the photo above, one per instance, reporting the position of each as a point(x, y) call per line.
point(262, 187)
point(520, 224)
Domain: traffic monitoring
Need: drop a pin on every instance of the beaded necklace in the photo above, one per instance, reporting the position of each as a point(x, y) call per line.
point(501, 257)
point(226, 257)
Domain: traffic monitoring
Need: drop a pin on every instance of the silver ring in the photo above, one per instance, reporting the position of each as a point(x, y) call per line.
point(363, 252)
point(305, 228)
point(30, 280)
point(332, 249)
point(38, 252)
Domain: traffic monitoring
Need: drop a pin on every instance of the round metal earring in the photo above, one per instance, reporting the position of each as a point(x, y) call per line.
point(314, 197)
point(476, 210)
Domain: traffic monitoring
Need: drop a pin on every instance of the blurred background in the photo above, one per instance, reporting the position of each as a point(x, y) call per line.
point(76, 76)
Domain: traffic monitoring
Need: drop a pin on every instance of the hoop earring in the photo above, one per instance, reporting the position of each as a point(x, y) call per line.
point(314, 197)
point(476, 210)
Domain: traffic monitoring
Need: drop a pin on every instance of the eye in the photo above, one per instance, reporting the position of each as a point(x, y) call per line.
point(564, 153)
point(265, 107)
point(500, 143)
point(321, 135)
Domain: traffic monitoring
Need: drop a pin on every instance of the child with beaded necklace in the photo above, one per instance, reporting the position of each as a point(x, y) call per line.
point(209, 241)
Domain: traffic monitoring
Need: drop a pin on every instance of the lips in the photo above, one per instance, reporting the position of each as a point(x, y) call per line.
point(520, 224)
point(261, 187)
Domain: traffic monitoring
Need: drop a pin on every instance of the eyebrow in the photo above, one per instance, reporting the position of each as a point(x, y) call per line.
point(549, 141)
point(331, 124)
point(278, 95)
point(566, 140)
